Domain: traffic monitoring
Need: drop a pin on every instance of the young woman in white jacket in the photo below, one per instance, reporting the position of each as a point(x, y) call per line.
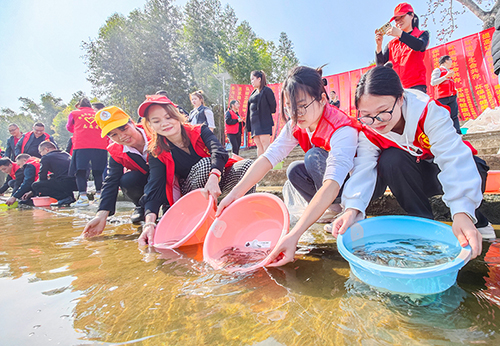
point(409, 144)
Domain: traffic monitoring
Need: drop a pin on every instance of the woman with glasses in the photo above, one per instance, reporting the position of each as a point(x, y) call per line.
point(260, 108)
point(408, 143)
point(184, 155)
point(329, 138)
point(406, 51)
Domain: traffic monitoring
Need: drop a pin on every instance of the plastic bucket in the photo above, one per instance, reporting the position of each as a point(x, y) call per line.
point(427, 280)
point(252, 225)
point(43, 201)
point(186, 222)
point(493, 181)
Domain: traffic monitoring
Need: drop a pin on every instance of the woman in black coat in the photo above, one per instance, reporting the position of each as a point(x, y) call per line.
point(261, 105)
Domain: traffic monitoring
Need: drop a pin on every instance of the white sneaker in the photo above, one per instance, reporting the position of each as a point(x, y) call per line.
point(488, 232)
point(97, 198)
point(82, 202)
point(330, 214)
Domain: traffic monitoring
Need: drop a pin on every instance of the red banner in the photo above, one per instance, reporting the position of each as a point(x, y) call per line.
point(478, 73)
point(476, 83)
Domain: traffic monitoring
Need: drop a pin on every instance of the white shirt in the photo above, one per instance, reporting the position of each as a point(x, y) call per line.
point(340, 158)
point(133, 150)
point(459, 177)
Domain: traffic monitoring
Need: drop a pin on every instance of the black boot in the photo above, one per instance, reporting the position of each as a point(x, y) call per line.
point(137, 216)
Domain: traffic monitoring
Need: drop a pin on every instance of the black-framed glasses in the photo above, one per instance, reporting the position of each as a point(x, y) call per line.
point(382, 116)
point(301, 110)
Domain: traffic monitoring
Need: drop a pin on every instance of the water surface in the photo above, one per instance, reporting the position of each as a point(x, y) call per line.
point(58, 289)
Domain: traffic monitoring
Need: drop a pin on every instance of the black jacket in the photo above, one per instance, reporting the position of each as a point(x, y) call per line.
point(265, 108)
point(10, 150)
point(495, 45)
point(57, 162)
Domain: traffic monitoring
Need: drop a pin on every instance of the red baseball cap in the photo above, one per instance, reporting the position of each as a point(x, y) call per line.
point(401, 9)
point(153, 100)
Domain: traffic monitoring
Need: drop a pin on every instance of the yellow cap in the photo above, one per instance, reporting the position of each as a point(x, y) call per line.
point(110, 118)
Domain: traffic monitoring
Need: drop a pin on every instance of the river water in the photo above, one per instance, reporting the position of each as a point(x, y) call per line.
point(59, 289)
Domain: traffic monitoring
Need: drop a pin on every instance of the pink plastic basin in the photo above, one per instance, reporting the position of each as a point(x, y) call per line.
point(186, 222)
point(242, 237)
point(493, 181)
point(43, 201)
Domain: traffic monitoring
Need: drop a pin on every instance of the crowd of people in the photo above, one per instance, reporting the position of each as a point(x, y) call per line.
point(401, 138)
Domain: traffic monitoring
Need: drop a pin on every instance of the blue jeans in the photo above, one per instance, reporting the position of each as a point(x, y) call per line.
point(307, 176)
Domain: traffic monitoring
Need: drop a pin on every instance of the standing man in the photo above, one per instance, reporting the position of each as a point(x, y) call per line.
point(16, 134)
point(88, 148)
point(446, 93)
point(59, 185)
point(334, 100)
point(29, 142)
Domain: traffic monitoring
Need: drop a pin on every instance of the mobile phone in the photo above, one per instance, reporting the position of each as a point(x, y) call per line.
point(383, 29)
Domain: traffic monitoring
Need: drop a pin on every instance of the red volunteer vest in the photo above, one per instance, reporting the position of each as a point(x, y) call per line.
point(13, 170)
point(420, 141)
point(447, 88)
point(331, 120)
point(194, 134)
point(408, 63)
point(233, 129)
point(27, 138)
point(116, 152)
point(86, 132)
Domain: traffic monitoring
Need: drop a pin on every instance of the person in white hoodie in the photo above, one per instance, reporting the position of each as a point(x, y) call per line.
point(409, 144)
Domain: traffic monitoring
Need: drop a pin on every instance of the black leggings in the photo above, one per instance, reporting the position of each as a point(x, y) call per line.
point(412, 182)
point(235, 140)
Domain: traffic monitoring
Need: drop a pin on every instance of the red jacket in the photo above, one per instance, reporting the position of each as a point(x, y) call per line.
point(86, 133)
point(27, 138)
point(194, 134)
point(446, 88)
point(420, 141)
point(233, 129)
point(408, 63)
point(331, 120)
point(13, 170)
point(116, 152)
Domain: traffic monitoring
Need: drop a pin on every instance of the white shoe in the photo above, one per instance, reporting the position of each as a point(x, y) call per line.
point(97, 198)
point(82, 202)
point(330, 214)
point(488, 232)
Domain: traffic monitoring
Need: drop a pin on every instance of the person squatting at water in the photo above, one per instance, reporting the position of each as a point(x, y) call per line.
point(407, 50)
point(329, 138)
point(89, 150)
point(59, 184)
point(21, 175)
point(260, 108)
point(127, 166)
point(185, 156)
point(409, 144)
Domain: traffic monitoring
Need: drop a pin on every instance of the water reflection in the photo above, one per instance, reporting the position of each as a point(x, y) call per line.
point(59, 288)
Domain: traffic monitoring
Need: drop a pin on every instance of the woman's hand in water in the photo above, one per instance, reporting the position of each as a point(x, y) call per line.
point(467, 233)
point(148, 234)
point(95, 226)
point(212, 187)
point(343, 222)
point(284, 251)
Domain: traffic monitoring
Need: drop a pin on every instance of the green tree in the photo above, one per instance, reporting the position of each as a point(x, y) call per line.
point(284, 57)
point(45, 111)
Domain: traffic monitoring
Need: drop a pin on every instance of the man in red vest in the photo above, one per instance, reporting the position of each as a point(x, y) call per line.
point(16, 135)
point(26, 173)
point(88, 148)
point(445, 91)
point(29, 142)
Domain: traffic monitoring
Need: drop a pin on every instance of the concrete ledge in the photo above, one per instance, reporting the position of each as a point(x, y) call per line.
point(387, 205)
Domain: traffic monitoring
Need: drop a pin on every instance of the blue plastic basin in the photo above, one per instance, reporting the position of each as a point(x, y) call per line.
point(427, 280)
